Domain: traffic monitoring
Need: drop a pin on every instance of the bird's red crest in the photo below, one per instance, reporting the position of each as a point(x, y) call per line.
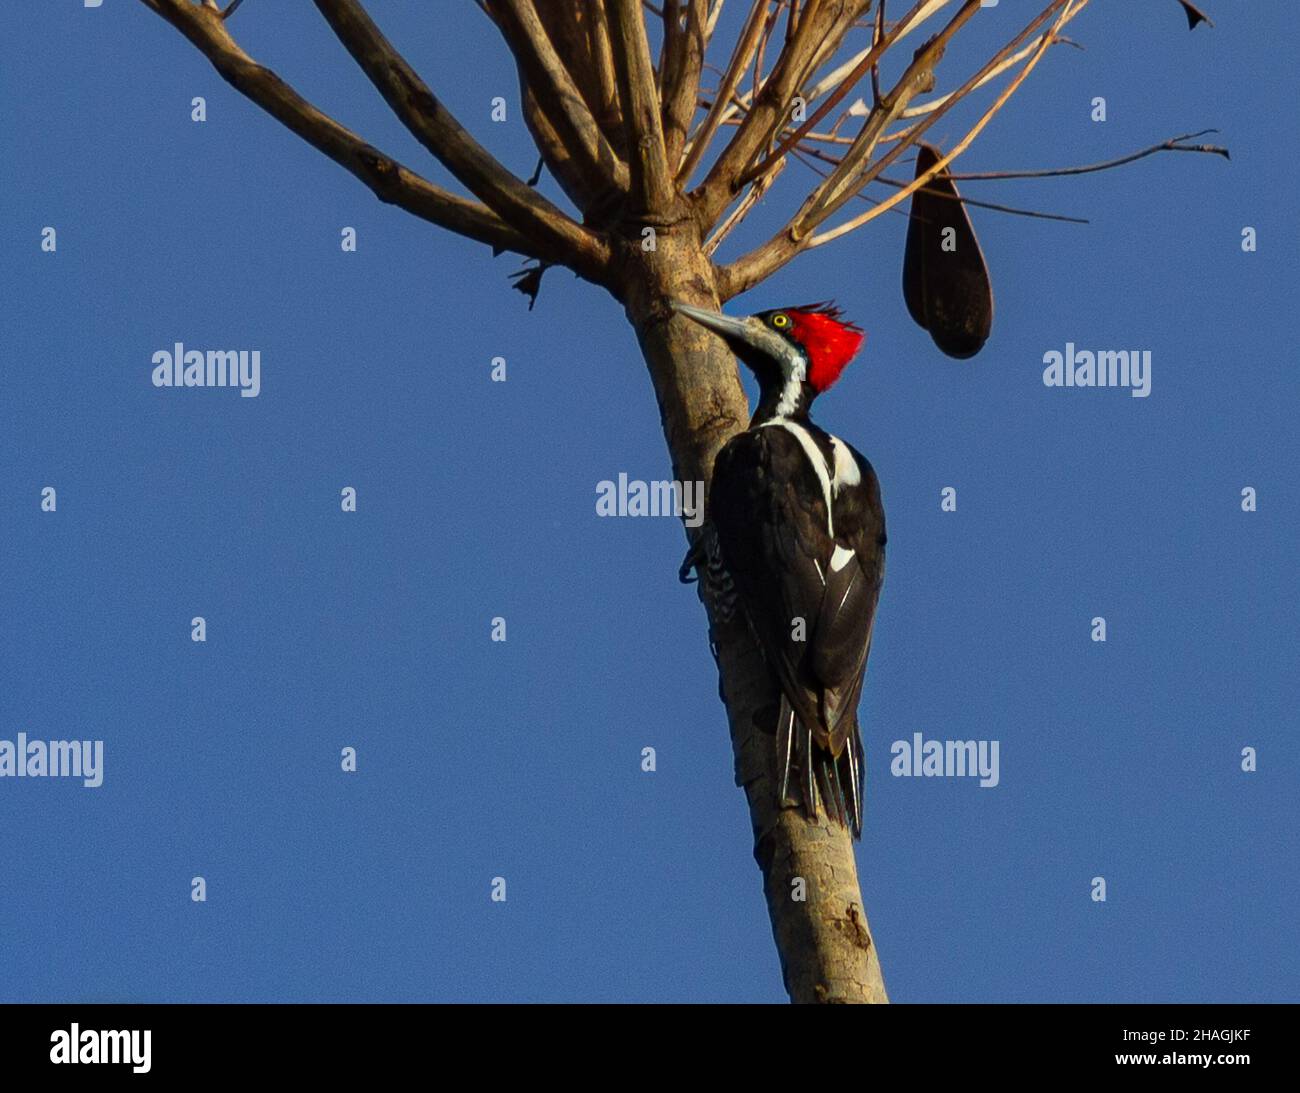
point(830, 342)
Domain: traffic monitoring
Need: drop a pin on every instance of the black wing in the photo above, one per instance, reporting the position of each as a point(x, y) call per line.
point(813, 621)
point(842, 642)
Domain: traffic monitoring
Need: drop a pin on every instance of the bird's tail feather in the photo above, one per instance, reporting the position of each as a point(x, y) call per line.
point(785, 729)
point(814, 773)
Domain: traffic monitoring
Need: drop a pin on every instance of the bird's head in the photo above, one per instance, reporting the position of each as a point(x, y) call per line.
point(809, 345)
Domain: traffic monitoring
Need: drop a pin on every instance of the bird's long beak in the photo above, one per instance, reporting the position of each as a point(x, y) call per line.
point(740, 330)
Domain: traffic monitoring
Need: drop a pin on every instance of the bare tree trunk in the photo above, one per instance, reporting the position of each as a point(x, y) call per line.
point(820, 926)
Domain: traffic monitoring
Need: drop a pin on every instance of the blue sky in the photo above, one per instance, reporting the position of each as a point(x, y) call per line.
point(477, 499)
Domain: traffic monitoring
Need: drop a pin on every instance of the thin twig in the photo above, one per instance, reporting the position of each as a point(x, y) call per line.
point(1011, 210)
point(756, 190)
point(928, 107)
point(714, 12)
point(768, 26)
point(877, 33)
point(1173, 144)
point(805, 153)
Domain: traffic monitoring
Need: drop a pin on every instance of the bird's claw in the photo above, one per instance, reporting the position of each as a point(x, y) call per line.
point(692, 559)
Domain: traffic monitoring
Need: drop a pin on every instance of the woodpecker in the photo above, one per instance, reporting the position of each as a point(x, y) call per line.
point(795, 525)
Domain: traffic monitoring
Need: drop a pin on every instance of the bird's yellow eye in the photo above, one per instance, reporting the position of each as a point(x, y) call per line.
point(780, 321)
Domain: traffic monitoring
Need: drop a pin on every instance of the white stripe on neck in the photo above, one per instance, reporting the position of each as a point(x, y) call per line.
point(793, 386)
point(815, 457)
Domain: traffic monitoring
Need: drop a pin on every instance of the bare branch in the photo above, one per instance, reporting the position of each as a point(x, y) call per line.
point(821, 28)
point(809, 218)
point(433, 126)
point(571, 34)
point(996, 64)
point(670, 41)
point(863, 66)
point(877, 35)
point(931, 105)
point(761, 55)
point(765, 259)
point(583, 187)
point(651, 181)
point(918, 77)
point(610, 112)
point(684, 57)
point(927, 9)
point(579, 34)
point(746, 45)
point(743, 207)
point(558, 97)
point(807, 156)
point(1069, 9)
point(387, 178)
point(714, 13)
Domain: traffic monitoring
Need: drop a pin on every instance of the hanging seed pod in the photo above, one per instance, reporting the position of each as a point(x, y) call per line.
point(945, 280)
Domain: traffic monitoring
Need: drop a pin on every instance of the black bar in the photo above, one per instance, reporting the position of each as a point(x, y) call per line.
point(338, 1042)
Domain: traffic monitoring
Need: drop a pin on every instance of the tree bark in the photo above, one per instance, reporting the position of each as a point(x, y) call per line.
point(825, 945)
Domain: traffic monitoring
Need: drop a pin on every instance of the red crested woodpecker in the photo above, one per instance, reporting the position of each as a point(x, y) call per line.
point(796, 527)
